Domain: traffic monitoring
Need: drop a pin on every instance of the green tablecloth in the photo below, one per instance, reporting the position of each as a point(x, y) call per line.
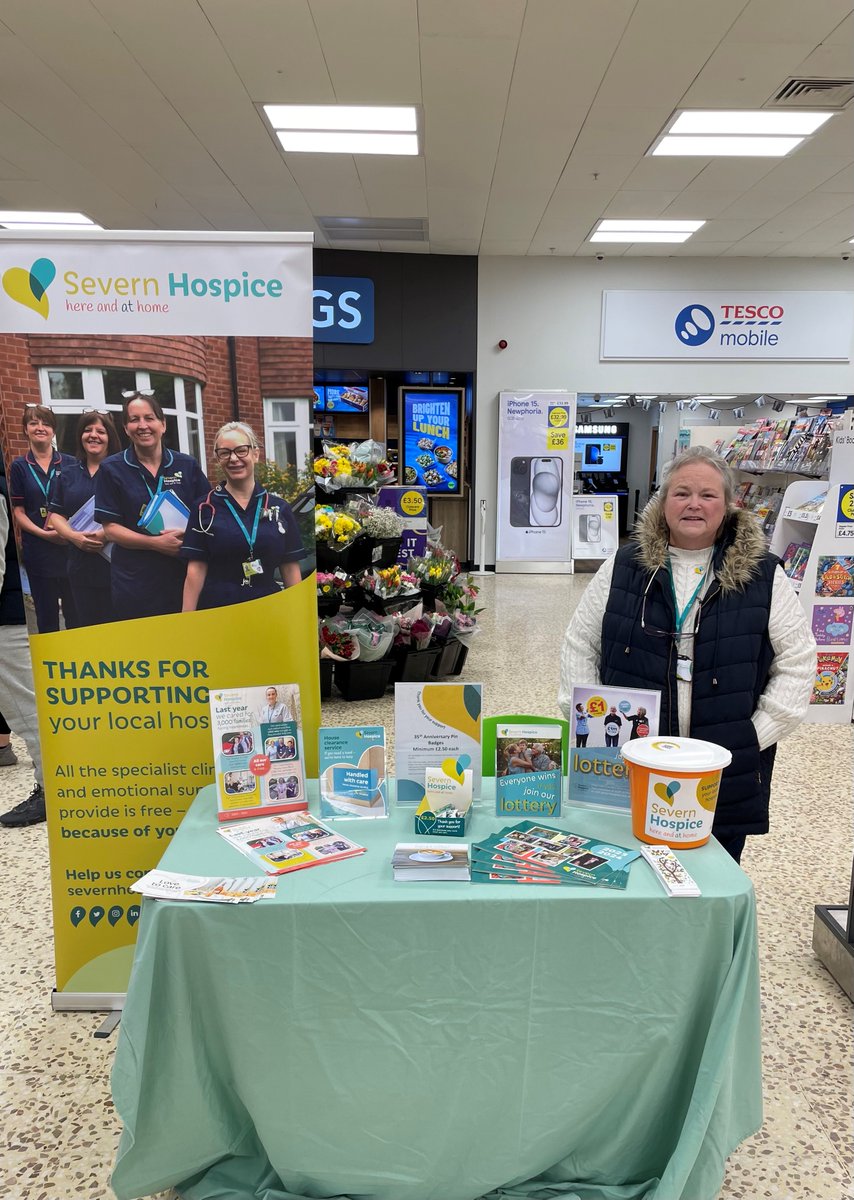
point(438, 1041)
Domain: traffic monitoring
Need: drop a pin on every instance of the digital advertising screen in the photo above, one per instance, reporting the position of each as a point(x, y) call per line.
point(600, 453)
point(430, 423)
point(319, 397)
point(343, 397)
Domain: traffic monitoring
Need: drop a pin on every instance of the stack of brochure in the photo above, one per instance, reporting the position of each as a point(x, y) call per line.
point(164, 510)
point(431, 860)
point(217, 889)
point(533, 853)
point(289, 842)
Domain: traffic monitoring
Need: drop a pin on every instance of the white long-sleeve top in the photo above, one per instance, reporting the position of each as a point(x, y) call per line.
point(781, 706)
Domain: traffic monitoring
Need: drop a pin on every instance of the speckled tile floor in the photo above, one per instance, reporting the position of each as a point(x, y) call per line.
point(59, 1129)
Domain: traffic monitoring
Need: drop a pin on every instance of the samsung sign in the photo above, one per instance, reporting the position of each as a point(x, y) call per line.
point(343, 309)
point(734, 326)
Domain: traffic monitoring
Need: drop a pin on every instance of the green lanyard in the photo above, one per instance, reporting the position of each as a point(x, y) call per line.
point(250, 540)
point(680, 617)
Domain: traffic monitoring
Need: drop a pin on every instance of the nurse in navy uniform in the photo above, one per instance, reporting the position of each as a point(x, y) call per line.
point(32, 479)
point(146, 572)
point(240, 533)
point(88, 568)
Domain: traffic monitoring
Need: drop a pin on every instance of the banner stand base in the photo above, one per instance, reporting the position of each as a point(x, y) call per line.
point(111, 1003)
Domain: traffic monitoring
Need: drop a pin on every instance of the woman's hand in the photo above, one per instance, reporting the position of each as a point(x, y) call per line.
point(168, 542)
point(92, 543)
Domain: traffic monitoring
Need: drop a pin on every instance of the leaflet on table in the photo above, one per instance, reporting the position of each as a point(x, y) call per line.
point(603, 718)
point(289, 843)
point(430, 861)
point(351, 764)
point(257, 750)
point(164, 510)
point(541, 849)
point(528, 775)
point(216, 889)
point(83, 521)
point(436, 725)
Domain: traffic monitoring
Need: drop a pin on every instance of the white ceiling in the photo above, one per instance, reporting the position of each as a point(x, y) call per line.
point(536, 116)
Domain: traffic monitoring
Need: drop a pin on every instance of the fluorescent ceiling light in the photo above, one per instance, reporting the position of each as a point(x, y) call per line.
point(655, 397)
point(347, 143)
point(45, 220)
point(606, 225)
point(714, 397)
point(639, 237)
point(341, 116)
point(736, 147)
point(777, 124)
point(828, 397)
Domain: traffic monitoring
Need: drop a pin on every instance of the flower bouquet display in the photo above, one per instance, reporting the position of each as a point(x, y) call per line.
point(458, 601)
point(415, 652)
point(385, 528)
point(366, 674)
point(340, 542)
point(390, 589)
point(358, 468)
point(436, 568)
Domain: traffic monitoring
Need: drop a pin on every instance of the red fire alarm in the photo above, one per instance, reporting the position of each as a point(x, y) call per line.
point(502, 345)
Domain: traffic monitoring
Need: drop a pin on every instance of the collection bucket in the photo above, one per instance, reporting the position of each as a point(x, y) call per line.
point(673, 785)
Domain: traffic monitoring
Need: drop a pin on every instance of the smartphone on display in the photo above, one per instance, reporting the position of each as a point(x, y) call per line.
point(589, 527)
point(546, 505)
point(593, 455)
point(520, 492)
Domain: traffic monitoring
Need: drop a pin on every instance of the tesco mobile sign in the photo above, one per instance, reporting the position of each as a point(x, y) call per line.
point(735, 326)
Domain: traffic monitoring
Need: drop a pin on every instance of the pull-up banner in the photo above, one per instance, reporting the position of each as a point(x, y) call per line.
point(133, 634)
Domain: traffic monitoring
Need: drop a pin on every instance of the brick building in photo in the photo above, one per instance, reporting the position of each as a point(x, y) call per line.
point(216, 378)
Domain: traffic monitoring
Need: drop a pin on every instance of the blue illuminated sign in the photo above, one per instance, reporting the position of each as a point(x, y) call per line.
point(343, 309)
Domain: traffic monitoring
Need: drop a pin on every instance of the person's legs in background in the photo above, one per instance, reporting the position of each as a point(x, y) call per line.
point(8, 757)
point(18, 705)
point(733, 845)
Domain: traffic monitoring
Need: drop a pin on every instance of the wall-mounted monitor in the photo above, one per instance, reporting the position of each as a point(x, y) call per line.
point(319, 397)
point(432, 451)
point(345, 397)
point(604, 454)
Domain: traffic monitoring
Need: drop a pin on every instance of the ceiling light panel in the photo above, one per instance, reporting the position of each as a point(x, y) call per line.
point(607, 225)
point(774, 124)
point(35, 220)
point(732, 147)
point(627, 238)
point(339, 117)
point(342, 142)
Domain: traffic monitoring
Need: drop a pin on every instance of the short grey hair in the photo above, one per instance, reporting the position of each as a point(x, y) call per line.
point(700, 455)
point(237, 427)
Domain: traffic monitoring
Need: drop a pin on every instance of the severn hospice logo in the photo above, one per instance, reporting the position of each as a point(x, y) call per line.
point(29, 287)
point(694, 325)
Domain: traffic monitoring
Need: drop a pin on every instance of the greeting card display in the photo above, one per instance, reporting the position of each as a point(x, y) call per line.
point(257, 750)
point(603, 718)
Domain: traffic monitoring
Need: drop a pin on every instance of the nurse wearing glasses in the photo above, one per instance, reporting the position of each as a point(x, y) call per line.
point(147, 574)
point(240, 534)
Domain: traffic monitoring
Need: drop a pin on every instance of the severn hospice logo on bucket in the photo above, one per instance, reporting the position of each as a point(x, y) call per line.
point(674, 786)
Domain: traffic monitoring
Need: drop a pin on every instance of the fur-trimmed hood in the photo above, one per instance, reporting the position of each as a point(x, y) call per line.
point(739, 549)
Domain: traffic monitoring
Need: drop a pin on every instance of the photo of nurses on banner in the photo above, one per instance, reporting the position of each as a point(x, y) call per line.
point(138, 485)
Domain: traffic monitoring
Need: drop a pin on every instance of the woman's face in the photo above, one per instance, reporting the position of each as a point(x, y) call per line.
point(39, 433)
point(272, 697)
point(694, 507)
point(143, 426)
point(237, 469)
point(94, 441)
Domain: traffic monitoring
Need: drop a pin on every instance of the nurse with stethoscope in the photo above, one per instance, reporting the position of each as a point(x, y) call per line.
point(240, 533)
point(146, 574)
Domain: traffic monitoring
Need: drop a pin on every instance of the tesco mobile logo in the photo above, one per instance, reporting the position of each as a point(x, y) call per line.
point(695, 324)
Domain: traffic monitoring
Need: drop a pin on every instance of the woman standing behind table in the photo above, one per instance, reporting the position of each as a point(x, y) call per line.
point(32, 480)
point(240, 533)
point(698, 610)
point(146, 575)
point(88, 569)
